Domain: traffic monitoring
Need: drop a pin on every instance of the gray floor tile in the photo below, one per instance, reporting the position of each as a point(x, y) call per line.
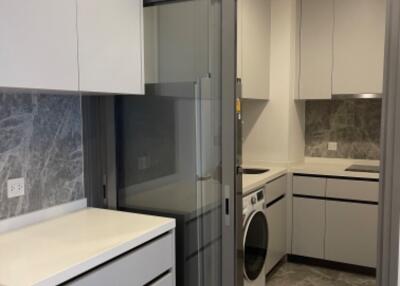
point(291, 274)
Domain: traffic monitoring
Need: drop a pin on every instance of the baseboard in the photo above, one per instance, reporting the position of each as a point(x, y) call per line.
point(332, 264)
point(275, 268)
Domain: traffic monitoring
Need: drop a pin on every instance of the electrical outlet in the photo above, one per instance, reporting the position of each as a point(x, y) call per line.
point(15, 187)
point(332, 146)
point(144, 162)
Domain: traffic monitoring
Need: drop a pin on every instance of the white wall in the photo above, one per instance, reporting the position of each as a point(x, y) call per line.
point(273, 131)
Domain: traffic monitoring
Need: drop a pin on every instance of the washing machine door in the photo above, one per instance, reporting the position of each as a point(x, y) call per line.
point(255, 245)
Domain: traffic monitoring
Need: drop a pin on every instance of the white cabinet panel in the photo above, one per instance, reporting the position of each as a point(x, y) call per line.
point(316, 36)
point(311, 186)
point(359, 39)
point(275, 189)
point(183, 41)
point(254, 47)
point(167, 280)
point(111, 46)
point(276, 215)
point(38, 44)
point(351, 234)
point(135, 268)
point(308, 227)
point(353, 190)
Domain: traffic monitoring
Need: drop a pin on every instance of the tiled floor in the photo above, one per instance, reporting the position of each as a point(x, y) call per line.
point(290, 274)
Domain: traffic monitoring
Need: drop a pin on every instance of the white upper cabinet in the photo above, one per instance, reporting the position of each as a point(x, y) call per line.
point(111, 46)
point(316, 42)
point(341, 47)
point(359, 40)
point(183, 39)
point(38, 44)
point(254, 24)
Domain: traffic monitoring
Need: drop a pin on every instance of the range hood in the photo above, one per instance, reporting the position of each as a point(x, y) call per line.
point(357, 96)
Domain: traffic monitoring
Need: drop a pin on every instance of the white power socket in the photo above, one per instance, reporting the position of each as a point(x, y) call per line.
point(332, 146)
point(15, 187)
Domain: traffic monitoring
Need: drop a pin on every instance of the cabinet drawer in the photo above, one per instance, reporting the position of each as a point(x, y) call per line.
point(353, 190)
point(135, 268)
point(275, 189)
point(311, 186)
point(167, 280)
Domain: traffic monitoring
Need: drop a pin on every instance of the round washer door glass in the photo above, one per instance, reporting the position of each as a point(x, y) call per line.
point(255, 245)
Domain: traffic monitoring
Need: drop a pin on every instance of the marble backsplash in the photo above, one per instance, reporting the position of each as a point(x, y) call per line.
point(354, 124)
point(40, 140)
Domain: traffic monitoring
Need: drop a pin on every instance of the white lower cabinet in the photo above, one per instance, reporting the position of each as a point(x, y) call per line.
point(275, 195)
point(136, 268)
point(351, 233)
point(336, 219)
point(308, 227)
point(276, 215)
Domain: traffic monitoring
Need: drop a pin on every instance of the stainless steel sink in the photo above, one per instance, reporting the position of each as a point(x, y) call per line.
point(254, 171)
point(363, 168)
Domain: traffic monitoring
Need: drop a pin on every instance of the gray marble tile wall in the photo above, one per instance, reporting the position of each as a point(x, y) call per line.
point(40, 140)
point(353, 124)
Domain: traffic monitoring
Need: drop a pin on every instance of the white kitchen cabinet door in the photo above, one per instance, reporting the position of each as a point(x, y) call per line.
point(359, 39)
point(183, 39)
point(276, 215)
point(255, 21)
point(111, 46)
point(308, 227)
point(316, 36)
point(38, 44)
point(351, 233)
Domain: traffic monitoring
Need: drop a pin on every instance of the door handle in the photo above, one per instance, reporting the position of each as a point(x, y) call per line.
point(204, 178)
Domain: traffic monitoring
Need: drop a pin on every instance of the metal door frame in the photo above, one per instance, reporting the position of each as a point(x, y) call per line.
point(232, 232)
point(389, 200)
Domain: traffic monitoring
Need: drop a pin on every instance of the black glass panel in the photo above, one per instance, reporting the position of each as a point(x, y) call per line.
point(255, 247)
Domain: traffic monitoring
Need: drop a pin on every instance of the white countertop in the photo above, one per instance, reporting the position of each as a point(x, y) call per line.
point(252, 182)
point(333, 167)
point(56, 250)
point(311, 166)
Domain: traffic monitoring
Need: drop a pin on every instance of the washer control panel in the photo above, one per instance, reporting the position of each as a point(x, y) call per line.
point(250, 201)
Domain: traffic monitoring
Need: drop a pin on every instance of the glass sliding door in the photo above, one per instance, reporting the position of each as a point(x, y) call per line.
point(169, 141)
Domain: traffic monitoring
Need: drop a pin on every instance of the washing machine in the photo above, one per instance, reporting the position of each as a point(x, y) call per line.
point(255, 238)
